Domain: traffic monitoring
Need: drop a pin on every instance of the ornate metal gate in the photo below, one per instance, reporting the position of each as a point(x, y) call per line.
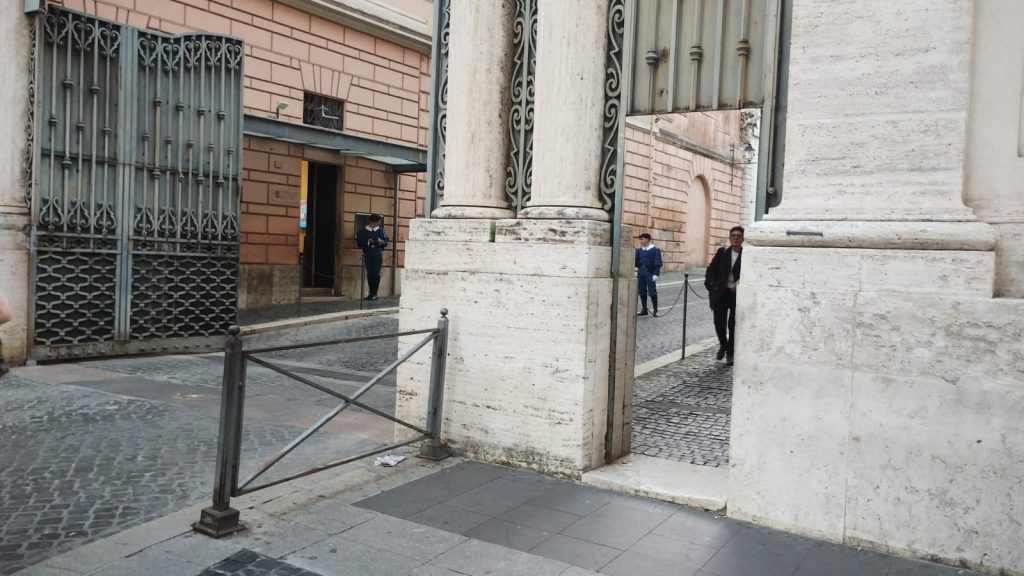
point(135, 167)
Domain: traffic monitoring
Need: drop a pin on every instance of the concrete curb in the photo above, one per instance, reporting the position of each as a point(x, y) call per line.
point(679, 482)
point(314, 320)
point(671, 357)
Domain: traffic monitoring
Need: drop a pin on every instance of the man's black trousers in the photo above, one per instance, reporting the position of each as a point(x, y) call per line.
point(725, 315)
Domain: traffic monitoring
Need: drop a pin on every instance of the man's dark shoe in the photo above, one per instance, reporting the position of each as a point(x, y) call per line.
point(642, 312)
point(729, 361)
point(370, 298)
point(721, 353)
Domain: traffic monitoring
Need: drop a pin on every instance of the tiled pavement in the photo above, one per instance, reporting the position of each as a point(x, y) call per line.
point(602, 531)
point(249, 563)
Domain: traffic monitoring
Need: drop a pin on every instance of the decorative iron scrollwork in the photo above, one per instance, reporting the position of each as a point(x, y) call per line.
point(322, 111)
point(30, 121)
point(612, 103)
point(439, 105)
point(519, 180)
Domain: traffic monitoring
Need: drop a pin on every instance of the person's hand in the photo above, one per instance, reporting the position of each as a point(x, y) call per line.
point(655, 278)
point(735, 286)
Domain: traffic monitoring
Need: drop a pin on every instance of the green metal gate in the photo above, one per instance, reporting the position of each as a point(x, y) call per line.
point(134, 179)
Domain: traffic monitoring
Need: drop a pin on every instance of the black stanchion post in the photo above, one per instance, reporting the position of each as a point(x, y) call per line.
point(686, 297)
point(362, 278)
point(221, 519)
point(434, 448)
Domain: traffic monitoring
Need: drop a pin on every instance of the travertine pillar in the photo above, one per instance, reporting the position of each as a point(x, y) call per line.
point(878, 384)
point(14, 259)
point(571, 40)
point(994, 185)
point(479, 77)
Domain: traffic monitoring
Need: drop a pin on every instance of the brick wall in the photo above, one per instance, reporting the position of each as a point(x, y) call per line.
point(271, 186)
point(385, 86)
point(660, 176)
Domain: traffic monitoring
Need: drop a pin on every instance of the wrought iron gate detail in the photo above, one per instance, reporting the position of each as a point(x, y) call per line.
point(136, 176)
point(438, 104)
point(519, 182)
point(612, 103)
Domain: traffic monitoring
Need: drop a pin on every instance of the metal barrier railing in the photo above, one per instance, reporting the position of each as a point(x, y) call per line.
point(220, 519)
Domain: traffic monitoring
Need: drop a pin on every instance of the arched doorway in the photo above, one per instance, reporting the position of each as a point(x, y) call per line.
point(697, 222)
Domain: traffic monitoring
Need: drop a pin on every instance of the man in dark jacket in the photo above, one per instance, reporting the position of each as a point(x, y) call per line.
point(721, 280)
point(648, 267)
point(372, 239)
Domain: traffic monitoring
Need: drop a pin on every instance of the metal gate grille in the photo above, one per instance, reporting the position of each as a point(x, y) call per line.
point(134, 187)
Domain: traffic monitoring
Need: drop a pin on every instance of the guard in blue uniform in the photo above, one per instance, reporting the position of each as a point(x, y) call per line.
point(648, 267)
point(372, 239)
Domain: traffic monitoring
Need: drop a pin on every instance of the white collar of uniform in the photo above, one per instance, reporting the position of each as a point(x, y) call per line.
point(648, 247)
point(372, 229)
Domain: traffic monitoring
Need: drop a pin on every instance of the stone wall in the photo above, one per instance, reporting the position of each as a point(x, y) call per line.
point(14, 79)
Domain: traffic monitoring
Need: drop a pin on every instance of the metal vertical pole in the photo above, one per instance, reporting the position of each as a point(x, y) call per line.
point(435, 448)
point(221, 519)
point(362, 277)
point(686, 297)
point(394, 237)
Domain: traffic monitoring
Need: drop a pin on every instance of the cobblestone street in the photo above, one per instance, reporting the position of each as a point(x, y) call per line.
point(94, 447)
point(682, 411)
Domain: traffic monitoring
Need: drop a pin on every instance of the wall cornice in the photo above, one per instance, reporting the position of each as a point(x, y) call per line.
point(372, 18)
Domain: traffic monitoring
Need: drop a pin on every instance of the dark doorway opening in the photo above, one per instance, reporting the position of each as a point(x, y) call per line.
point(321, 226)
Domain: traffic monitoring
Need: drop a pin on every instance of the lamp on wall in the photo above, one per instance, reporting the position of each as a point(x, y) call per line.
point(748, 153)
point(277, 110)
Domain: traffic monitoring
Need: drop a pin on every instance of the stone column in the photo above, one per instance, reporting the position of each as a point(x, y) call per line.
point(479, 79)
point(571, 42)
point(874, 371)
point(14, 260)
point(995, 144)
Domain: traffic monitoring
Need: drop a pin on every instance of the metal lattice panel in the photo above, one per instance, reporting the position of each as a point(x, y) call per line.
point(75, 297)
point(179, 297)
point(519, 182)
point(135, 178)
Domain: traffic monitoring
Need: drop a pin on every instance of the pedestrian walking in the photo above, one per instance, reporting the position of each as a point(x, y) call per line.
point(372, 239)
point(722, 280)
point(648, 267)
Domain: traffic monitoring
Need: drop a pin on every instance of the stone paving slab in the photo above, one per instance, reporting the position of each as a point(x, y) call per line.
point(610, 533)
point(248, 562)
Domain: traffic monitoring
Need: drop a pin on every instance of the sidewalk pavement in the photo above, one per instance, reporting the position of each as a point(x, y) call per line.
point(460, 517)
